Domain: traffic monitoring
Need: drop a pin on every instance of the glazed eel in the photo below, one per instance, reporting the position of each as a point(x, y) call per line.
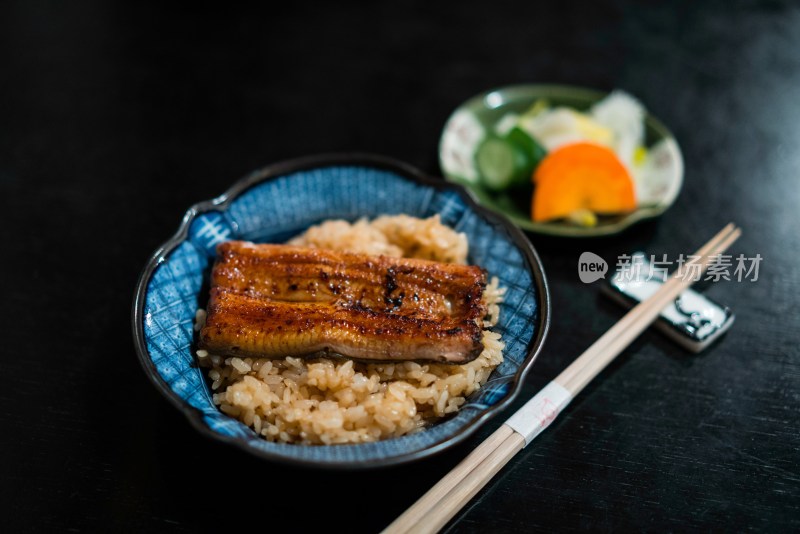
point(273, 301)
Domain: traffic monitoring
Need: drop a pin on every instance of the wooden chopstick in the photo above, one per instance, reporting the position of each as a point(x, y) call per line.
point(436, 507)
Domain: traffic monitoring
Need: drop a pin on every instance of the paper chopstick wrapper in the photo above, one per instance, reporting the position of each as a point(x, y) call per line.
point(537, 414)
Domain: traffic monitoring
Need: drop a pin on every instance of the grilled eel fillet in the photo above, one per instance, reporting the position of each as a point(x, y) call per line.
point(273, 301)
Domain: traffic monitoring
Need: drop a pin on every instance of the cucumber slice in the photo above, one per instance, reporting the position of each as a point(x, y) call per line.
point(508, 161)
point(501, 164)
point(532, 148)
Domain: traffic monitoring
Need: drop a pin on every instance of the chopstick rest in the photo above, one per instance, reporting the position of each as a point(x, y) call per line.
point(692, 320)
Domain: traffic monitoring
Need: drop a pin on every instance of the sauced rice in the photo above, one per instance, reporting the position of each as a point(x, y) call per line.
point(328, 401)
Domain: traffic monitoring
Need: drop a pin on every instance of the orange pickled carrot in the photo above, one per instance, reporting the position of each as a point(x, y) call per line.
point(581, 176)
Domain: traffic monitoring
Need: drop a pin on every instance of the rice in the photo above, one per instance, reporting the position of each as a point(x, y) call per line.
point(330, 401)
point(390, 235)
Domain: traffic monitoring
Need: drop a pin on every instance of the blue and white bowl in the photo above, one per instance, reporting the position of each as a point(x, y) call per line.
point(280, 201)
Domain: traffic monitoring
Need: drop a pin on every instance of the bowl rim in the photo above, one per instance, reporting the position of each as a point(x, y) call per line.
point(356, 159)
point(642, 213)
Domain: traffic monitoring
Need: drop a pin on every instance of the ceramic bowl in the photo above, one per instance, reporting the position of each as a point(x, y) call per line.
point(464, 128)
point(280, 201)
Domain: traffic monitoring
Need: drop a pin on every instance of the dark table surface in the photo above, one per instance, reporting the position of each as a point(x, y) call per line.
point(115, 118)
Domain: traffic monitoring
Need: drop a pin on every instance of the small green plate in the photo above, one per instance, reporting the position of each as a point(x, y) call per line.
point(456, 152)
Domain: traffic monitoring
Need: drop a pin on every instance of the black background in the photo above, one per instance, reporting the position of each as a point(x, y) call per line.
point(115, 117)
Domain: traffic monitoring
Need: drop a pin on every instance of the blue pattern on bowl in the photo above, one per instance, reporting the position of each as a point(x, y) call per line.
point(273, 209)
